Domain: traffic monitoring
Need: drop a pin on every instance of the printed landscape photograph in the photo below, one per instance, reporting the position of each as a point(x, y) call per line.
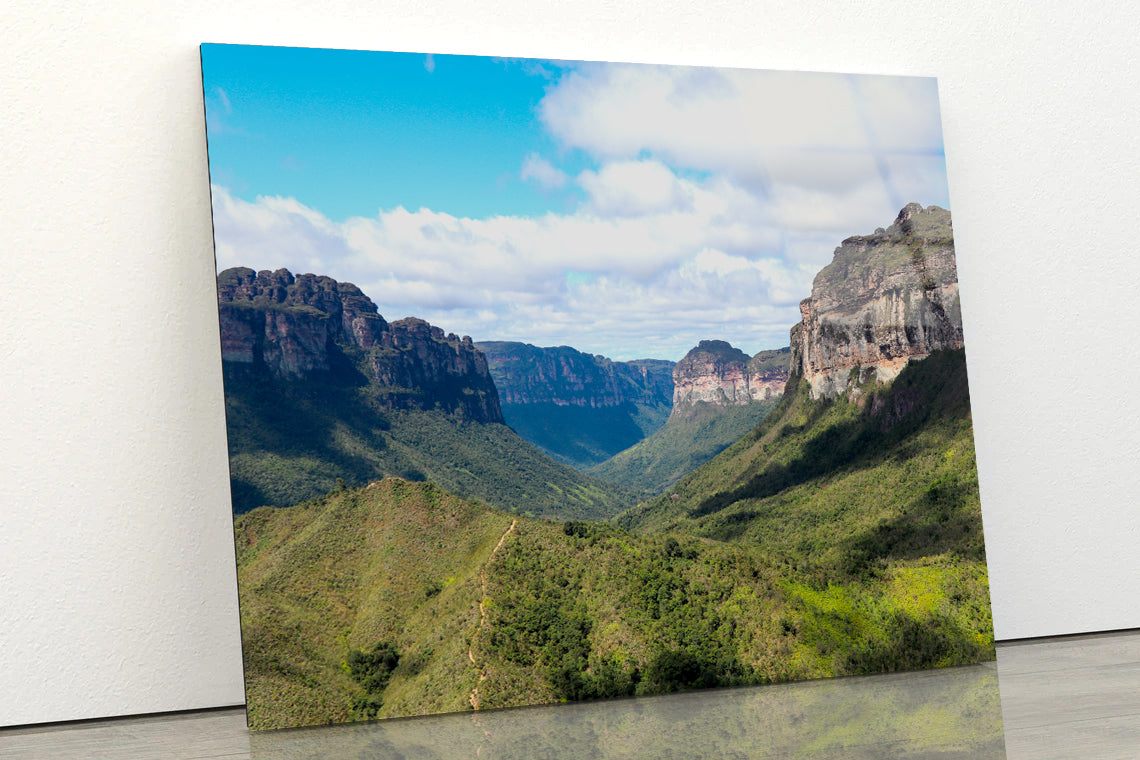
point(550, 381)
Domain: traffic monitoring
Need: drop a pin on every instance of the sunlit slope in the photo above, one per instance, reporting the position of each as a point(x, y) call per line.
point(401, 599)
point(842, 485)
point(395, 561)
point(682, 445)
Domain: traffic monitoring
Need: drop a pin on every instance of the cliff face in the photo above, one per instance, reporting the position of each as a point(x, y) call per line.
point(579, 408)
point(563, 376)
point(717, 373)
point(885, 299)
point(296, 327)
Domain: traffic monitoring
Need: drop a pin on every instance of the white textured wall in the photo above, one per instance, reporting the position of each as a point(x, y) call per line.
point(117, 589)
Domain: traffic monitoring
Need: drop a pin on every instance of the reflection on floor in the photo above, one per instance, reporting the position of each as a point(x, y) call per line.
point(1062, 698)
point(1072, 697)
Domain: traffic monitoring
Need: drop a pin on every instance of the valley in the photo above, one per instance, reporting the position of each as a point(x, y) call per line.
point(427, 523)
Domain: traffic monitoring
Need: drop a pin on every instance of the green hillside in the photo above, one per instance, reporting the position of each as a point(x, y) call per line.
point(682, 445)
point(401, 599)
point(293, 440)
point(849, 488)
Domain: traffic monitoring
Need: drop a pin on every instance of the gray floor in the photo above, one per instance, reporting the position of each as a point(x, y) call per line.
point(1066, 698)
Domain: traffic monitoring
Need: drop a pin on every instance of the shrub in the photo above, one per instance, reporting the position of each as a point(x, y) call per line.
point(373, 669)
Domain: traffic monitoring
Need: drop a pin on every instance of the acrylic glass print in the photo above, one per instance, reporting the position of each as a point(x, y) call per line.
point(550, 381)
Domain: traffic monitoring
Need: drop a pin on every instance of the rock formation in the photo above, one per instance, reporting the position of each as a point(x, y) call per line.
point(885, 299)
point(310, 326)
point(564, 376)
point(717, 373)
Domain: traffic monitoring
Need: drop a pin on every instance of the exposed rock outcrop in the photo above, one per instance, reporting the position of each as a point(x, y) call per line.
point(564, 376)
point(884, 300)
point(296, 328)
point(717, 373)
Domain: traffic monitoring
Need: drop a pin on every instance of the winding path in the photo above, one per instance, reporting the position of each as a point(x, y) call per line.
point(474, 698)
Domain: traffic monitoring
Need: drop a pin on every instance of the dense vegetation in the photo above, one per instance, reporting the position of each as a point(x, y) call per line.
point(455, 604)
point(775, 360)
point(848, 484)
point(683, 444)
point(293, 440)
point(584, 436)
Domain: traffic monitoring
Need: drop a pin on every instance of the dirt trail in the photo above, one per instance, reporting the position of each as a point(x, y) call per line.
point(474, 698)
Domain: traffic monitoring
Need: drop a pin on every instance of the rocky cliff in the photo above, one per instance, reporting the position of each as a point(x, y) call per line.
point(311, 326)
point(564, 376)
point(579, 408)
point(885, 299)
point(717, 373)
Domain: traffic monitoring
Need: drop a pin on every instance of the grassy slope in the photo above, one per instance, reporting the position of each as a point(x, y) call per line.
point(397, 561)
point(291, 442)
point(682, 445)
point(825, 478)
point(546, 612)
point(855, 501)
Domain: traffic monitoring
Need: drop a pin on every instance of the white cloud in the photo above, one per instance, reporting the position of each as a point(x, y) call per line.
point(823, 132)
point(714, 198)
point(263, 234)
point(218, 110)
point(543, 172)
point(900, 113)
point(663, 276)
point(920, 177)
point(635, 188)
point(223, 99)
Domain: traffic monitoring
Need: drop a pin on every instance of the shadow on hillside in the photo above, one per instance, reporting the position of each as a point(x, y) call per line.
point(943, 520)
point(929, 390)
point(300, 419)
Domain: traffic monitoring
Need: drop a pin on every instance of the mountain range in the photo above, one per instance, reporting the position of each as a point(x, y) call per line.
point(322, 392)
point(579, 408)
point(838, 532)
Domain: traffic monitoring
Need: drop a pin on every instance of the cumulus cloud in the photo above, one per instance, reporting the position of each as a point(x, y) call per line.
point(635, 188)
point(766, 130)
point(658, 282)
point(540, 170)
point(712, 199)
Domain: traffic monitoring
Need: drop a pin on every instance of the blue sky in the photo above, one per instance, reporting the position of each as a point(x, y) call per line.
point(627, 210)
point(355, 131)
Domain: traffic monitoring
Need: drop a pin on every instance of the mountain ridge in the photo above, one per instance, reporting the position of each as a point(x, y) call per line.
point(322, 391)
point(579, 408)
point(296, 327)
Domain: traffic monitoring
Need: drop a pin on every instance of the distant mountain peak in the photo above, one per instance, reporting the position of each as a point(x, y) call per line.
point(580, 408)
point(716, 373)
